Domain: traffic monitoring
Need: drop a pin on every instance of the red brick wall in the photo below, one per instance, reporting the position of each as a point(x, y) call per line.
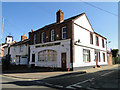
point(58, 30)
point(109, 59)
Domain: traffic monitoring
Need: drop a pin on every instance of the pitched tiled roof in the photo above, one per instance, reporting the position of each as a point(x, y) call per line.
point(20, 42)
point(66, 20)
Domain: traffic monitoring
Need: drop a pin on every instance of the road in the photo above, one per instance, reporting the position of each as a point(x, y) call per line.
point(9, 82)
point(91, 81)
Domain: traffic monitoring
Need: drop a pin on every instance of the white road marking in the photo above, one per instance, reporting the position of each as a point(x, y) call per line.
point(77, 84)
point(91, 79)
point(49, 84)
point(83, 82)
point(58, 86)
point(107, 73)
point(39, 82)
point(70, 87)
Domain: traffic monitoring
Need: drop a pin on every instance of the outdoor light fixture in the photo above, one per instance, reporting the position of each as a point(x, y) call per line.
point(77, 41)
point(57, 35)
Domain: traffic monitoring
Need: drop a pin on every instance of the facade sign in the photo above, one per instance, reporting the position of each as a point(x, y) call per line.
point(47, 45)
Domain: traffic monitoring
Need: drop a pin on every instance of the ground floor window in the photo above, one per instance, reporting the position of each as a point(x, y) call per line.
point(47, 55)
point(104, 57)
point(86, 55)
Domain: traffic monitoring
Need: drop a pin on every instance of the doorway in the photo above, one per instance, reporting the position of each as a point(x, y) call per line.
point(63, 60)
point(33, 57)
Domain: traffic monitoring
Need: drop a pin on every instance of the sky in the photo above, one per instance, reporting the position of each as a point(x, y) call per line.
point(21, 17)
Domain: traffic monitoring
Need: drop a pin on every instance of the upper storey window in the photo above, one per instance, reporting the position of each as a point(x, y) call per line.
point(91, 38)
point(35, 39)
point(52, 35)
point(21, 48)
point(43, 37)
point(64, 34)
point(103, 45)
point(97, 41)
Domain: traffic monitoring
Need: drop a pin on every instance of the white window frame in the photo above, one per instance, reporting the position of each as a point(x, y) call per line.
point(47, 55)
point(87, 55)
point(21, 48)
point(52, 35)
point(97, 40)
point(103, 43)
point(64, 32)
point(15, 49)
point(35, 37)
point(42, 37)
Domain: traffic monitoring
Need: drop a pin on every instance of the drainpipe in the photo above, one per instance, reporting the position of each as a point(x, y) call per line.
point(96, 60)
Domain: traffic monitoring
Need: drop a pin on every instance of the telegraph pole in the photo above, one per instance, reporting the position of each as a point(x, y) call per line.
point(1, 33)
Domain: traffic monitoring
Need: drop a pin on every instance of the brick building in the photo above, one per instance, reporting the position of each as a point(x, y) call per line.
point(67, 44)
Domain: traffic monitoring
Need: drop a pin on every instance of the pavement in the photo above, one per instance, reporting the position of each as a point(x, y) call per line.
point(43, 75)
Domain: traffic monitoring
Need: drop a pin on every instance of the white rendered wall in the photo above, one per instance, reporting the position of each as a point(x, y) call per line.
point(59, 48)
point(17, 52)
point(82, 21)
point(84, 36)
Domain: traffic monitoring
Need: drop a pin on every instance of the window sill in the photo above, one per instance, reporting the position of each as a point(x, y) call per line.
point(86, 62)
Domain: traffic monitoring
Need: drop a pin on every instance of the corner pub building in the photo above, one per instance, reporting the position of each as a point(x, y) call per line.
point(67, 44)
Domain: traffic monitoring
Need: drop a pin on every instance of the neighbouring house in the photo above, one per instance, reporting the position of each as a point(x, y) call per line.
point(8, 40)
point(109, 58)
point(67, 44)
point(2, 49)
point(19, 51)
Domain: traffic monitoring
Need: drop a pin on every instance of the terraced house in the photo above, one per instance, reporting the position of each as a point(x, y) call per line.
point(67, 44)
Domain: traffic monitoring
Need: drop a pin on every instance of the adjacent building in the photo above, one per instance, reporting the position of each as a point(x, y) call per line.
point(19, 51)
point(109, 58)
point(67, 44)
point(2, 49)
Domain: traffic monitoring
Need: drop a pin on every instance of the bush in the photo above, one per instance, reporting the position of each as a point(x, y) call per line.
point(6, 62)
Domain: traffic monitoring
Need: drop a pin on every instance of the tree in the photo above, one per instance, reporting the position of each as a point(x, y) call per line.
point(115, 52)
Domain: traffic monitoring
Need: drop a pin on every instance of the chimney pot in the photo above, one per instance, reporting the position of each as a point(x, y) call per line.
point(59, 16)
point(32, 30)
point(23, 37)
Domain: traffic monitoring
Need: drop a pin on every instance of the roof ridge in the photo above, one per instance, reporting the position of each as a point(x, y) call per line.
point(68, 19)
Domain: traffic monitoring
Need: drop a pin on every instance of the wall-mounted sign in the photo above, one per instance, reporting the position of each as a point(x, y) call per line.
point(47, 45)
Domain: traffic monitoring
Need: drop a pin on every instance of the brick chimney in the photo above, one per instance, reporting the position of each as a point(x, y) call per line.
point(23, 37)
point(59, 15)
